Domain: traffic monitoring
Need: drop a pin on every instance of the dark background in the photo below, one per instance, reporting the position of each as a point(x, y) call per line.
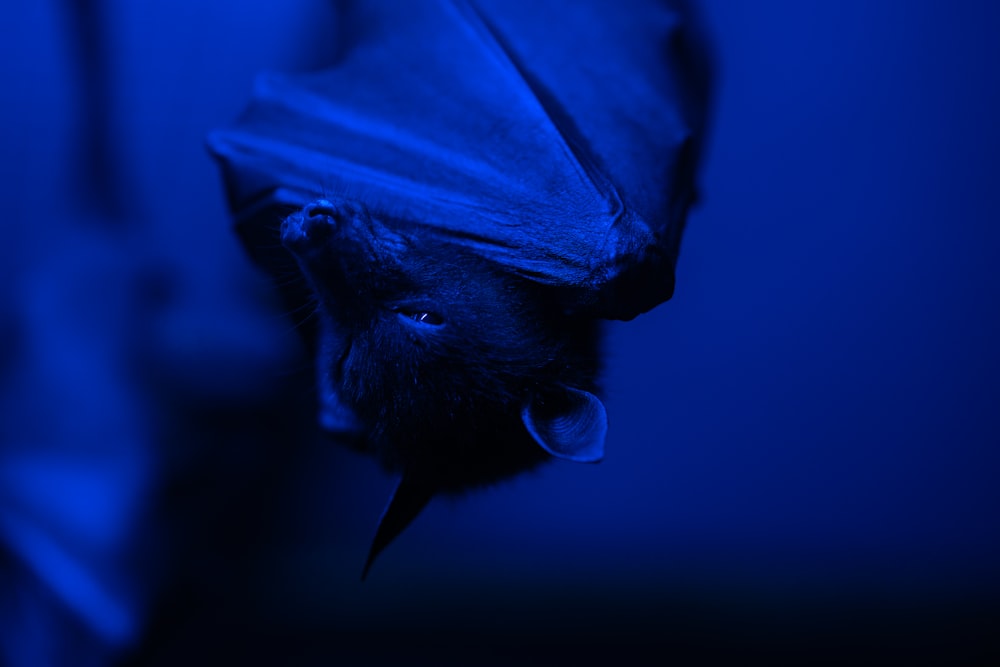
point(804, 445)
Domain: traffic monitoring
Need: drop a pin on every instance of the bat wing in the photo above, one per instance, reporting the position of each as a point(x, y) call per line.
point(559, 154)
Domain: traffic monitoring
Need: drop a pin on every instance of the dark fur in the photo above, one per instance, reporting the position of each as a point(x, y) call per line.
point(440, 403)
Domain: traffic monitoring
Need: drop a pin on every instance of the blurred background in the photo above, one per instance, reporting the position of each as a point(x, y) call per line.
point(805, 442)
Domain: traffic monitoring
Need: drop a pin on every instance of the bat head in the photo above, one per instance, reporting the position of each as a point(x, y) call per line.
point(451, 371)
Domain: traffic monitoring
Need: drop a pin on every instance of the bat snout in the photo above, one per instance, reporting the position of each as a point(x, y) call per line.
point(319, 209)
point(310, 227)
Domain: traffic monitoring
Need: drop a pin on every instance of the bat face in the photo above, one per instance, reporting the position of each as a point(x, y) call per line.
point(448, 370)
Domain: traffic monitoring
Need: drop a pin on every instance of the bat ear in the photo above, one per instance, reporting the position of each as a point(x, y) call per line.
point(568, 423)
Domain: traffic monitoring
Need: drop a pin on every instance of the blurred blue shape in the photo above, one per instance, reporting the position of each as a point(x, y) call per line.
point(76, 448)
point(120, 349)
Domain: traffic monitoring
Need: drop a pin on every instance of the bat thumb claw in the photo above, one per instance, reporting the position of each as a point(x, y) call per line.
point(408, 500)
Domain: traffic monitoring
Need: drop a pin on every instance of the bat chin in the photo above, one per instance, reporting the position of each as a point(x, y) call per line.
point(340, 424)
point(338, 419)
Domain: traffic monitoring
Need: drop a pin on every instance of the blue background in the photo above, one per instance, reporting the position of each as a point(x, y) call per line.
point(804, 445)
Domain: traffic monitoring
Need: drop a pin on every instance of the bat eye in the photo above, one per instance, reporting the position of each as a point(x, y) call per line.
point(422, 317)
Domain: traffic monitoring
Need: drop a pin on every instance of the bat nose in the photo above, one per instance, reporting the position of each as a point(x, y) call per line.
point(319, 209)
point(308, 228)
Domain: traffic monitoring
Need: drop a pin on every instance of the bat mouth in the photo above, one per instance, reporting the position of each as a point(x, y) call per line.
point(336, 417)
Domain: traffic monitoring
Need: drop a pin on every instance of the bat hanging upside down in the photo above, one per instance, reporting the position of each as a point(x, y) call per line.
point(500, 190)
point(452, 373)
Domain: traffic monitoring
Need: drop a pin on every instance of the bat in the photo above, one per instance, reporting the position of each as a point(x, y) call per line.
point(457, 374)
point(467, 194)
